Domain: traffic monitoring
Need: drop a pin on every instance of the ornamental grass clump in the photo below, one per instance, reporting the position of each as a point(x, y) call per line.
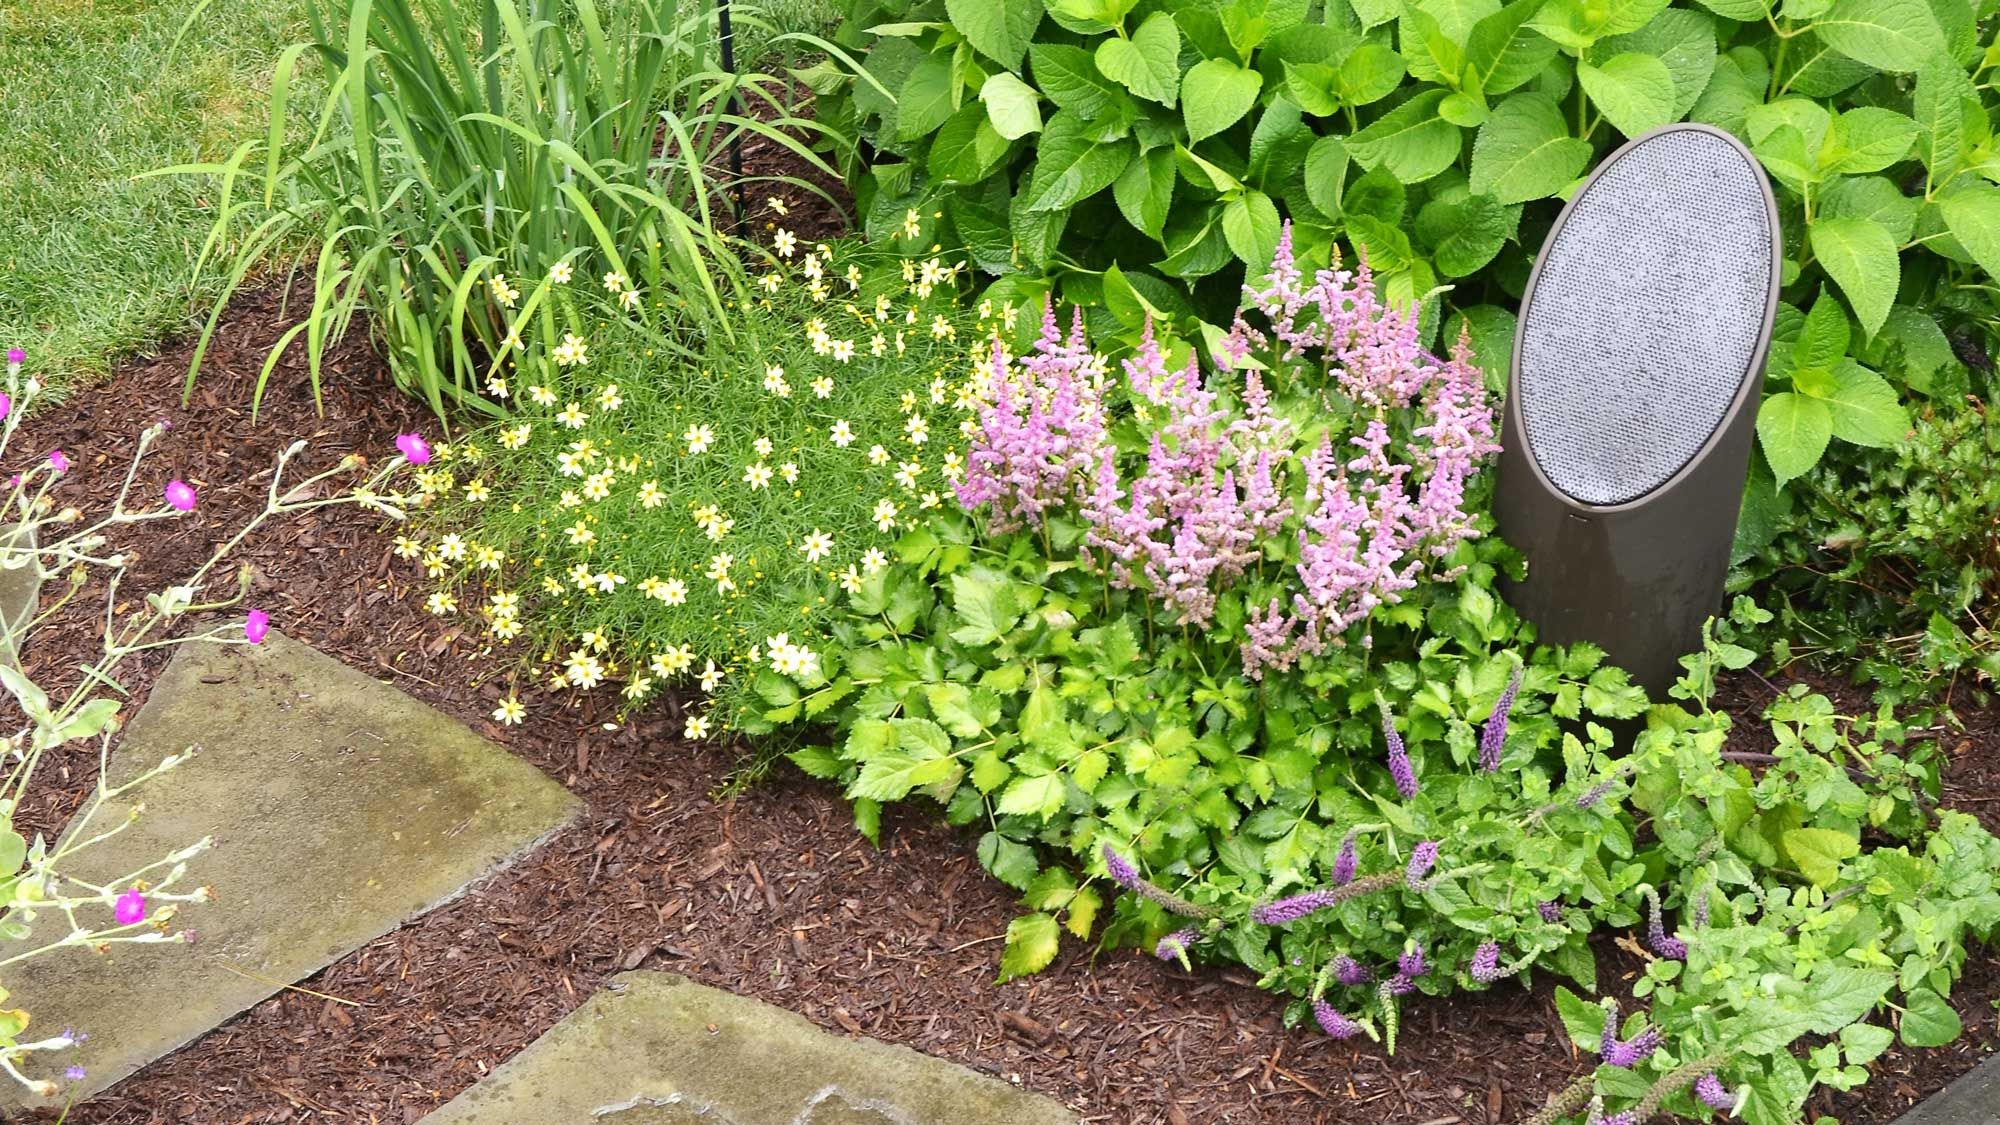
point(49, 544)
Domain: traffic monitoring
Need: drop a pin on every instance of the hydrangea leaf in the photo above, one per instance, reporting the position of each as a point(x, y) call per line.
point(999, 29)
point(1862, 259)
point(1216, 93)
point(1012, 106)
point(1148, 63)
point(1793, 431)
point(1635, 92)
point(1866, 410)
point(1524, 151)
point(1411, 141)
point(1892, 35)
point(1974, 219)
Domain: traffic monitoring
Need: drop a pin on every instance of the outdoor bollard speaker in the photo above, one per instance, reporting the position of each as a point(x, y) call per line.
point(1638, 363)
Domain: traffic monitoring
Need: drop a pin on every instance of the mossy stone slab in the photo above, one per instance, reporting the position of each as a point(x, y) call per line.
point(1972, 1100)
point(340, 808)
point(658, 1049)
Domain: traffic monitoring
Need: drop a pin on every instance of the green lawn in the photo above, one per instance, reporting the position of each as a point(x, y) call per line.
point(95, 265)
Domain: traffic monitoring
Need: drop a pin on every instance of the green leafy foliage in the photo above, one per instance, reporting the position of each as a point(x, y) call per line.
point(1193, 129)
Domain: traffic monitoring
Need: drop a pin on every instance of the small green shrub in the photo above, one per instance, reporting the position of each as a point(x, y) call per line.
point(643, 516)
point(458, 135)
point(1172, 137)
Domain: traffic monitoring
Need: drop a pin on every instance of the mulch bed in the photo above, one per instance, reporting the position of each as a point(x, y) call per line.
point(769, 893)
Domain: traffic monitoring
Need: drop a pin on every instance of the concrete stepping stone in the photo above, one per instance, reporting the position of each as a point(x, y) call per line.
point(658, 1049)
point(340, 809)
point(1972, 1100)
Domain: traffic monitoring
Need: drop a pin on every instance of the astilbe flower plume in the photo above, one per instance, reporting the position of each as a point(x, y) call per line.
point(1493, 736)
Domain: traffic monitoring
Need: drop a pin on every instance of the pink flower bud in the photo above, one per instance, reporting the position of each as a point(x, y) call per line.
point(256, 627)
point(57, 461)
point(16, 357)
point(414, 447)
point(180, 495)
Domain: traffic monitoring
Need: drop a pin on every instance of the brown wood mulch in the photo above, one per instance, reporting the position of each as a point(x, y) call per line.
point(770, 894)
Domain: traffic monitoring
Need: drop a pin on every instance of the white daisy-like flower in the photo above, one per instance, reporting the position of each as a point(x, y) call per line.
point(698, 439)
point(842, 434)
point(817, 545)
point(510, 712)
point(873, 560)
point(560, 273)
point(757, 475)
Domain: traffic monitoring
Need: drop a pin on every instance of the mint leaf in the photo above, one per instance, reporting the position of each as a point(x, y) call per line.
point(1929, 1020)
point(1818, 852)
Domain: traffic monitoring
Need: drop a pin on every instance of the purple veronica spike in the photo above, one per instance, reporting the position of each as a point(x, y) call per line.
point(1400, 769)
point(1493, 737)
point(1174, 946)
point(1701, 910)
point(1486, 962)
point(1121, 869)
point(1293, 908)
point(1595, 794)
point(1350, 972)
point(1671, 948)
point(1714, 1094)
point(1631, 1052)
point(1332, 1022)
point(1551, 911)
point(1608, 1040)
point(1422, 858)
point(1345, 864)
point(1409, 967)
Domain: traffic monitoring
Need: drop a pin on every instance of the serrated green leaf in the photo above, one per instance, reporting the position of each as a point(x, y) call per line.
point(1892, 35)
point(1583, 1020)
point(1793, 431)
point(1861, 258)
point(999, 29)
point(1939, 106)
point(1524, 151)
point(1973, 218)
point(1635, 92)
point(1867, 139)
point(1370, 73)
point(926, 99)
point(1145, 191)
point(1147, 64)
point(1032, 942)
point(1215, 94)
point(1012, 106)
point(1070, 78)
point(1033, 796)
point(1929, 1020)
point(1465, 234)
point(1819, 852)
point(1865, 408)
point(1682, 39)
point(1502, 51)
point(1411, 141)
point(1251, 225)
point(1009, 861)
point(1326, 175)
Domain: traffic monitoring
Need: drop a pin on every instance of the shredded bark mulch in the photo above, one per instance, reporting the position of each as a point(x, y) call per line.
point(769, 893)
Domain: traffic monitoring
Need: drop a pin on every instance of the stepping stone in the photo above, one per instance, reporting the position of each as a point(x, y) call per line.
point(658, 1049)
point(1972, 1100)
point(340, 807)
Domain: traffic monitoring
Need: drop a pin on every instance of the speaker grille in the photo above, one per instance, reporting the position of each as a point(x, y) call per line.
point(1643, 321)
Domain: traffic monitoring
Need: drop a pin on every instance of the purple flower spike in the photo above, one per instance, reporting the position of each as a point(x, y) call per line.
point(1333, 1023)
point(1121, 869)
point(1423, 857)
point(1174, 947)
point(75, 1074)
point(1409, 967)
point(1493, 737)
point(1551, 911)
point(1400, 768)
point(1346, 863)
point(1714, 1094)
point(129, 908)
point(1671, 948)
point(1486, 962)
point(1631, 1052)
point(1595, 794)
point(1350, 972)
point(1293, 908)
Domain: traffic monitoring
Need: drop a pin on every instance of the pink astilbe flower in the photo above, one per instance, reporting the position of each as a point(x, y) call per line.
point(1041, 439)
point(180, 496)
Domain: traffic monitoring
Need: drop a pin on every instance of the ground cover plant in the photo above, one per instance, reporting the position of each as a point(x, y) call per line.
point(1171, 139)
point(49, 552)
point(577, 134)
point(96, 262)
point(647, 517)
point(1229, 642)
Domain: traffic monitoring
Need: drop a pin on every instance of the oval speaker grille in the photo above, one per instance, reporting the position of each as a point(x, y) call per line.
point(1644, 320)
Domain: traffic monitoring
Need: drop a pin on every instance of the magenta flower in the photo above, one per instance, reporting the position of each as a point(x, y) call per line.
point(256, 626)
point(180, 495)
point(6, 404)
point(16, 357)
point(414, 447)
point(57, 461)
point(129, 908)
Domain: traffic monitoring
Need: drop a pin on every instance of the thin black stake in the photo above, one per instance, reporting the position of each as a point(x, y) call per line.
point(735, 109)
